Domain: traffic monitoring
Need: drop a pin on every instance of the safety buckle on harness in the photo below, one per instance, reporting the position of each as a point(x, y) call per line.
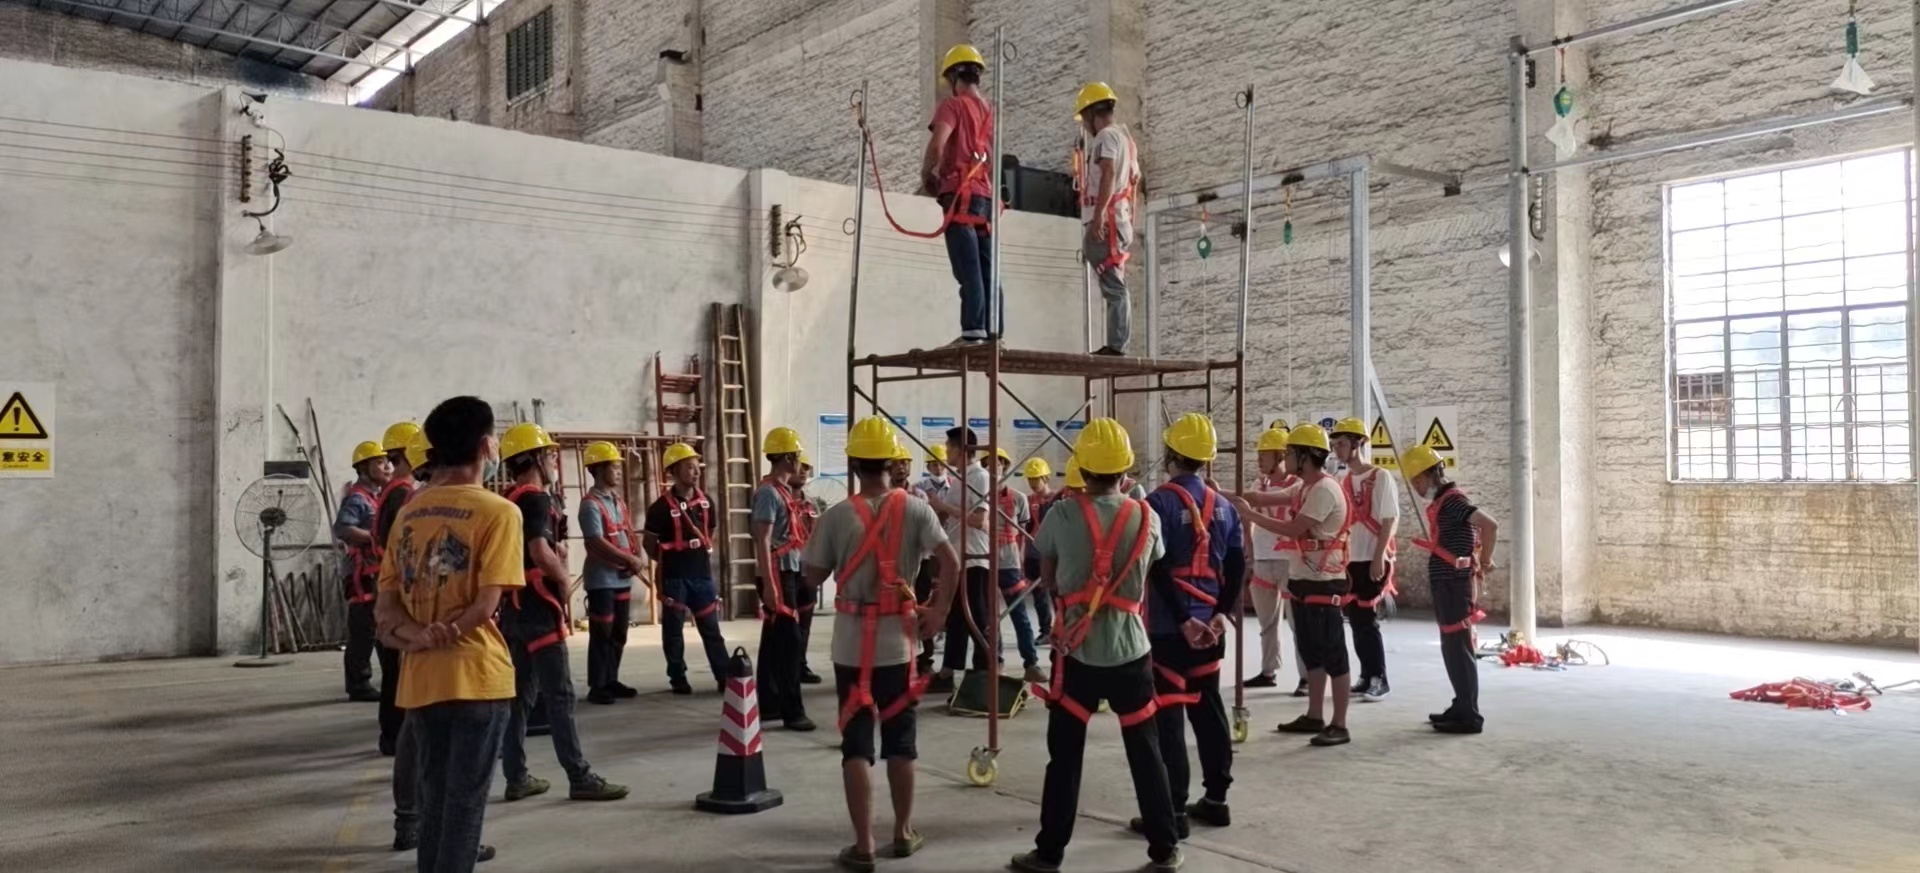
point(1462, 563)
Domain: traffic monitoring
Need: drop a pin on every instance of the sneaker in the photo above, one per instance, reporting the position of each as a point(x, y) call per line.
point(808, 677)
point(1171, 863)
point(681, 687)
point(1459, 726)
point(600, 696)
point(1182, 828)
point(1109, 352)
point(1264, 680)
point(1305, 724)
point(623, 691)
point(532, 786)
point(363, 695)
point(1376, 690)
point(1450, 714)
point(1300, 690)
point(595, 787)
point(387, 746)
point(1031, 862)
point(942, 683)
point(1214, 813)
point(406, 838)
point(485, 854)
point(799, 723)
point(1035, 675)
point(1361, 686)
point(965, 342)
point(1332, 736)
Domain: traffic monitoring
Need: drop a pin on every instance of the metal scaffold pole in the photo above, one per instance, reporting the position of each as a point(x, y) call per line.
point(859, 232)
point(1520, 349)
point(1242, 719)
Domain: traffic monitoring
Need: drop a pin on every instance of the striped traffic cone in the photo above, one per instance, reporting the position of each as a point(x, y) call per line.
point(739, 773)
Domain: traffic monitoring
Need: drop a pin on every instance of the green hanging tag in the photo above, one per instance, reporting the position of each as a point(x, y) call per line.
point(1853, 38)
point(1204, 246)
point(1563, 101)
point(1286, 233)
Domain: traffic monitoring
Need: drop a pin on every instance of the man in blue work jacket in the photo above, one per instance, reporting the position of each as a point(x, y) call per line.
point(1191, 591)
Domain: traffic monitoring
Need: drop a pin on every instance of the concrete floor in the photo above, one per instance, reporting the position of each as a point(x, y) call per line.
point(192, 765)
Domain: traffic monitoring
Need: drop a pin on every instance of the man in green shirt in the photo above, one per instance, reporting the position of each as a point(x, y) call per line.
point(1094, 553)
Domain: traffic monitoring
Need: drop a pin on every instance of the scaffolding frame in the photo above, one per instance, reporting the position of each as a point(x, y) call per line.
point(1520, 241)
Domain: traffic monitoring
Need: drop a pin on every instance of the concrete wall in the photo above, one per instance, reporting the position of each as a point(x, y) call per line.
point(47, 37)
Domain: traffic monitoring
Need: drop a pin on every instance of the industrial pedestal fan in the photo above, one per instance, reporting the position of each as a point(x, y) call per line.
point(277, 512)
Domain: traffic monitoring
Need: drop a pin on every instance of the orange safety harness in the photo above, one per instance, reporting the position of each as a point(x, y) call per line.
point(1200, 564)
point(1458, 562)
point(363, 561)
point(684, 517)
point(1103, 578)
point(1360, 510)
point(797, 532)
point(974, 131)
point(542, 587)
point(1116, 256)
point(1336, 549)
point(613, 522)
point(1281, 513)
point(881, 541)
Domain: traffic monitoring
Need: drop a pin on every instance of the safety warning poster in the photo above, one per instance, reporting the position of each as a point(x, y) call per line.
point(1028, 434)
point(933, 430)
point(1433, 426)
point(26, 430)
point(829, 455)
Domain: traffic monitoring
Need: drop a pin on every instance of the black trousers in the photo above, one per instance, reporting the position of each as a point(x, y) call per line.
point(1452, 603)
point(1365, 621)
point(959, 636)
point(608, 617)
point(782, 655)
point(1212, 737)
point(406, 775)
point(1128, 688)
point(923, 590)
point(358, 659)
point(391, 716)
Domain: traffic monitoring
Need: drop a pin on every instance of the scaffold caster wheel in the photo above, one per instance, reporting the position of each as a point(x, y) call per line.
point(1242, 724)
point(982, 769)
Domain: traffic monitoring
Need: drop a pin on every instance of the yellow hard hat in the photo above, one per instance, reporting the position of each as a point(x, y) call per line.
point(902, 453)
point(1350, 427)
point(675, 454)
point(962, 54)
point(600, 453)
point(1091, 93)
point(1192, 436)
point(804, 460)
point(367, 451)
point(417, 450)
point(522, 438)
point(1419, 459)
point(780, 441)
point(1310, 436)
point(1274, 439)
point(397, 436)
point(872, 439)
point(1037, 468)
point(937, 452)
point(1103, 448)
point(1001, 453)
point(1074, 479)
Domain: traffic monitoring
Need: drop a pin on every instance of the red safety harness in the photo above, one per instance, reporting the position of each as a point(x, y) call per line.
point(1336, 547)
point(881, 542)
point(1199, 565)
point(364, 561)
point(692, 532)
point(541, 586)
point(1360, 510)
point(613, 523)
point(1282, 513)
point(1103, 578)
point(1116, 256)
point(975, 133)
point(798, 511)
point(1459, 562)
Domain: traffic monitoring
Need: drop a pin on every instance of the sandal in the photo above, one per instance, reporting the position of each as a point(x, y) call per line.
point(853, 859)
point(905, 848)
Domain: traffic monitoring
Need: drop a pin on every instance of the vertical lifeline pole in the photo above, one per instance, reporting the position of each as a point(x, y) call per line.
point(996, 303)
point(994, 522)
point(1913, 308)
point(1520, 348)
point(1360, 268)
point(1241, 717)
point(859, 231)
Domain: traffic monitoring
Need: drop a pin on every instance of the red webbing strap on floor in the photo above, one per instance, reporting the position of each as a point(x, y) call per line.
point(1804, 694)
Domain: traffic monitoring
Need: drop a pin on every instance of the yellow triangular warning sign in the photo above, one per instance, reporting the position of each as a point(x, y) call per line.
point(17, 421)
point(1381, 438)
point(1437, 438)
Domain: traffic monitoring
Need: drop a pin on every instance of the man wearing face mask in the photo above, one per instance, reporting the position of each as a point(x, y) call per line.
point(535, 623)
point(1461, 553)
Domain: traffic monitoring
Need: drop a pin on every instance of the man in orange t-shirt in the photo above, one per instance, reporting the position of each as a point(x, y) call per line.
point(957, 169)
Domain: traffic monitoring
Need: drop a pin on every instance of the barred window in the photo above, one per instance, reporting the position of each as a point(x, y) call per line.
point(1787, 296)
point(530, 55)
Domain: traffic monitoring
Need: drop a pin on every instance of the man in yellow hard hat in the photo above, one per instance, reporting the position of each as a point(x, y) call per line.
point(956, 169)
point(1112, 171)
point(1373, 505)
point(1040, 497)
point(780, 532)
point(1195, 587)
point(353, 528)
point(1461, 553)
point(535, 622)
point(900, 469)
point(1095, 553)
point(680, 528)
point(392, 496)
point(1271, 496)
point(869, 542)
point(1075, 481)
point(935, 481)
point(612, 563)
point(1015, 519)
point(1317, 583)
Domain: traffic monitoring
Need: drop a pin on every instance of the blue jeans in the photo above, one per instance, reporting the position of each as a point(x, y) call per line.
point(456, 743)
point(970, 252)
point(1022, 620)
point(695, 596)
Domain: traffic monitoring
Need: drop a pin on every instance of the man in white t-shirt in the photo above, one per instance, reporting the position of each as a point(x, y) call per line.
point(963, 447)
point(1272, 496)
point(1106, 206)
point(1373, 501)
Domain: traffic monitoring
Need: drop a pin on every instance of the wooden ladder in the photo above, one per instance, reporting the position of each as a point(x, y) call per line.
point(738, 448)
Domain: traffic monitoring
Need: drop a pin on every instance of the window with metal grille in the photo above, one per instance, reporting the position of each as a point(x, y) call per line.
point(1787, 318)
point(530, 55)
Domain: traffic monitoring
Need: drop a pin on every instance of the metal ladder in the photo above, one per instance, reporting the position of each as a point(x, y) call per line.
point(739, 453)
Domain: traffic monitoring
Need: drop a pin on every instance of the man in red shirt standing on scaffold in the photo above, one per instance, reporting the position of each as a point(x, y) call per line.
point(957, 169)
